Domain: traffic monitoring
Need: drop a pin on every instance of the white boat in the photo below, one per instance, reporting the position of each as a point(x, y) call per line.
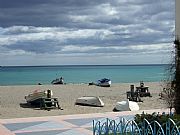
point(126, 106)
point(89, 101)
point(104, 82)
point(35, 96)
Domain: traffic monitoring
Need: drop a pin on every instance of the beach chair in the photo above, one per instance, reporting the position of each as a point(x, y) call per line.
point(143, 90)
point(133, 95)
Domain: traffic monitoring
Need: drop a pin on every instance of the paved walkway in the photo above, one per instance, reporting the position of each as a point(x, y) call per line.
point(80, 124)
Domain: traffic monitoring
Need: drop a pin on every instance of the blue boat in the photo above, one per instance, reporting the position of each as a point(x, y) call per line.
point(104, 82)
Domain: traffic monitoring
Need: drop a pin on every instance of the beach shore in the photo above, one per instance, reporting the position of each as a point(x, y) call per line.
point(12, 99)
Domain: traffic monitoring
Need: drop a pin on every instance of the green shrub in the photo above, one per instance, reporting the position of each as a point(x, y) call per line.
point(161, 118)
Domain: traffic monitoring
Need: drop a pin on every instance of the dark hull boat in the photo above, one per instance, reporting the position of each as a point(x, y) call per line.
point(58, 81)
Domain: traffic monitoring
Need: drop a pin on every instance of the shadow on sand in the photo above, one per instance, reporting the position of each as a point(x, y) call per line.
point(28, 105)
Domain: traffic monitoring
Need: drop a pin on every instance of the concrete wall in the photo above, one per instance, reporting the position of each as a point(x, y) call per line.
point(177, 21)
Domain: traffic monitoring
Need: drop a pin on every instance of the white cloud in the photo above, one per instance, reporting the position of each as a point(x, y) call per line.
point(107, 9)
point(111, 28)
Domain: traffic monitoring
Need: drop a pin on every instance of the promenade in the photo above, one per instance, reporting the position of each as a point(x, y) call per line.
point(80, 124)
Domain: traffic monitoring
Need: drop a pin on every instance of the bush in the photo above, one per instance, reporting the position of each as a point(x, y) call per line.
point(161, 118)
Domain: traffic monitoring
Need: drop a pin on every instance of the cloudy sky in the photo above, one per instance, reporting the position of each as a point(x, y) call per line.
point(63, 32)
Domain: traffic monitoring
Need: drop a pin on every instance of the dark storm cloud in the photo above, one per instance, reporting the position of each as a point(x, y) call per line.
point(41, 12)
point(86, 26)
point(60, 12)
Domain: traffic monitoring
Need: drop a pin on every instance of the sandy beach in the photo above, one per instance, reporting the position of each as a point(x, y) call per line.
point(12, 98)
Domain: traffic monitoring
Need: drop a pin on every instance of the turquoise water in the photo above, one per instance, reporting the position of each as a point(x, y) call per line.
point(29, 75)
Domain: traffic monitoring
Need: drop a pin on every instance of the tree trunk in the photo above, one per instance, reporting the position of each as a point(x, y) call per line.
point(177, 76)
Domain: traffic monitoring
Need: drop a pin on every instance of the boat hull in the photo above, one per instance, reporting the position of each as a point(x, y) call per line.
point(36, 96)
point(90, 101)
point(126, 106)
point(58, 81)
point(104, 84)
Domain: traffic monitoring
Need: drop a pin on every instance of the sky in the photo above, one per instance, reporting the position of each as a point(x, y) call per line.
point(86, 32)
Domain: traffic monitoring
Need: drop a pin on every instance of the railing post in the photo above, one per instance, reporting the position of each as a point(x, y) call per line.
point(143, 127)
point(123, 125)
point(132, 127)
point(154, 133)
point(114, 127)
point(168, 127)
point(114, 130)
point(107, 126)
point(94, 130)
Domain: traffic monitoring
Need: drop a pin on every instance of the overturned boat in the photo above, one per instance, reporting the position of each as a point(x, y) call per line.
point(126, 106)
point(104, 82)
point(89, 101)
point(36, 96)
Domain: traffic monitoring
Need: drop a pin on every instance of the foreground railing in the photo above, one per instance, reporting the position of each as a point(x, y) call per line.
point(122, 126)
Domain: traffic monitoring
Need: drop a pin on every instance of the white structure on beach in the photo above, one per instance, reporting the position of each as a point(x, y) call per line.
point(177, 20)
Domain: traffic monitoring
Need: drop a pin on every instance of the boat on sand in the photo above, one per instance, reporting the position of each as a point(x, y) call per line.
point(89, 101)
point(37, 95)
point(104, 82)
point(58, 81)
point(126, 106)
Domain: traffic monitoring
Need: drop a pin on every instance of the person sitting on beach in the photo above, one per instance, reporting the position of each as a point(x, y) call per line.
point(141, 83)
point(61, 80)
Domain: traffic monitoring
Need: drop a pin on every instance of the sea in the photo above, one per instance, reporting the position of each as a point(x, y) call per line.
point(32, 75)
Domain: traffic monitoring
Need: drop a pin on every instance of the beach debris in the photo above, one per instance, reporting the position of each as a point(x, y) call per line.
point(91, 83)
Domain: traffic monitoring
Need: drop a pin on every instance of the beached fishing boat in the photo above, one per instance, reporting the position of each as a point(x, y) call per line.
point(104, 82)
point(58, 81)
point(126, 106)
point(89, 101)
point(36, 96)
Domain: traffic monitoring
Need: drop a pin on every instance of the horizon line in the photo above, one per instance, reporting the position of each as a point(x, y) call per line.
point(83, 65)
